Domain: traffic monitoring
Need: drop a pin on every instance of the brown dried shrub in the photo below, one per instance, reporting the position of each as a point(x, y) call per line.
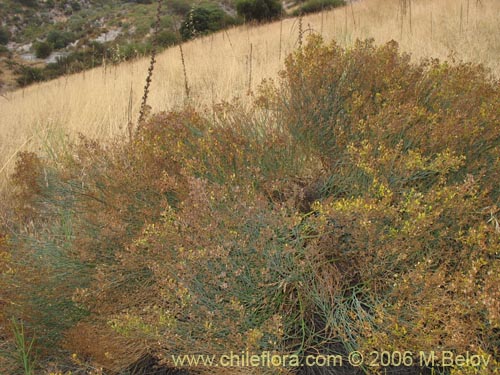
point(354, 208)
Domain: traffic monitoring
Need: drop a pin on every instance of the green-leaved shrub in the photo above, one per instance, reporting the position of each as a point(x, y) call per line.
point(4, 36)
point(203, 19)
point(259, 10)
point(43, 50)
point(29, 74)
point(312, 6)
point(60, 39)
point(167, 38)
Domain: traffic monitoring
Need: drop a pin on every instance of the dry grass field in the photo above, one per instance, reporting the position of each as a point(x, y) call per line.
point(99, 103)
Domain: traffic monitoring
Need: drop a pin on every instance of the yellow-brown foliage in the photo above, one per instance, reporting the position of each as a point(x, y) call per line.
point(355, 206)
point(96, 102)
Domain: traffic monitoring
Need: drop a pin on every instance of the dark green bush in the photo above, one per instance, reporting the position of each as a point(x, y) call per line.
point(76, 24)
point(259, 10)
point(75, 5)
point(60, 39)
point(204, 19)
point(130, 51)
point(167, 38)
point(312, 6)
point(4, 36)
point(77, 61)
point(29, 3)
point(43, 50)
point(356, 208)
point(28, 75)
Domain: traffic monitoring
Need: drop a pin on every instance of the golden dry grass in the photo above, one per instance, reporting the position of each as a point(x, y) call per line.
point(95, 102)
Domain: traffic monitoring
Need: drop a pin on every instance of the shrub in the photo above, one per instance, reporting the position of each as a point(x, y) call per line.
point(28, 75)
point(43, 50)
point(76, 24)
point(77, 61)
point(4, 36)
point(167, 38)
point(130, 51)
point(60, 39)
point(404, 162)
point(259, 10)
point(311, 6)
point(29, 3)
point(356, 208)
point(203, 19)
point(180, 7)
point(166, 23)
point(75, 6)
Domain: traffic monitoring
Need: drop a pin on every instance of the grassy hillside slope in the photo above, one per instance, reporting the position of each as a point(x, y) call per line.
point(100, 102)
point(42, 40)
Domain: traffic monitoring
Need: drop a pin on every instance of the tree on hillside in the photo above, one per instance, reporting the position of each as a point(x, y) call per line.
point(259, 10)
point(43, 50)
point(60, 39)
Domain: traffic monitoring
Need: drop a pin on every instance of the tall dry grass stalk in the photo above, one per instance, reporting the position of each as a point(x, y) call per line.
point(184, 73)
point(301, 30)
point(281, 38)
point(250, 70)
point(98, 105)
point(152, 62)
point(130, 123)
